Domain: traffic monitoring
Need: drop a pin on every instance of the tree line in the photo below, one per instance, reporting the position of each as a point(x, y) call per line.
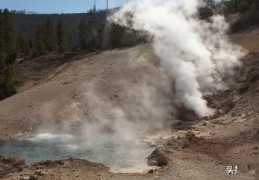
point(93, 32)
point(248, 11)
point(47, 39)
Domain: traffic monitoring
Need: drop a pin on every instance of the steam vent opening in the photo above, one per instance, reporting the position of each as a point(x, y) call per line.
point(130, 157)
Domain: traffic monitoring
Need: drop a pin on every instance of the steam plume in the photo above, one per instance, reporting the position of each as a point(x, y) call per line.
point(196, 54)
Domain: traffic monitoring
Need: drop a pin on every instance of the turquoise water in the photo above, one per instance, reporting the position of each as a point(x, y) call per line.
point(48, 146)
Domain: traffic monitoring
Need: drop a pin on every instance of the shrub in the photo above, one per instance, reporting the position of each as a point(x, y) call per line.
point(10, 59)
point(248, 19)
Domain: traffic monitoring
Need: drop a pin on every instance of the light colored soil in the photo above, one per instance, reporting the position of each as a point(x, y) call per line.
point(231, 138)
point(48, 97)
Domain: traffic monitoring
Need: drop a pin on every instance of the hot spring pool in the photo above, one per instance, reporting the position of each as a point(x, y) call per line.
point(128, 157)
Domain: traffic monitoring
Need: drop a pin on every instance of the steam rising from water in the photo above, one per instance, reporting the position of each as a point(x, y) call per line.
point(114, 129)
point(53, 146)
point(196, 58)
point(196, 54)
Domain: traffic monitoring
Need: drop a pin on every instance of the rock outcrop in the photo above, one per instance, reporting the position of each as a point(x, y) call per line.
point(10, 164)
point(158, 158)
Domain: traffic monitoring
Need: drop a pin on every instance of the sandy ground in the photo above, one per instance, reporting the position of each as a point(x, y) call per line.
point(229, 139)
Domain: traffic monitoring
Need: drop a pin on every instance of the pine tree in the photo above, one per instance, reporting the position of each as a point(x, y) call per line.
point(27, 48)
point(82, 36)
point(2, 49)
point(1, 32)
point(61, 37)
point(24, 47)
point(10, 82)
point(9, 33)
point(91, 32)
point(39, 41)
point(49, 36)
point(8, 54)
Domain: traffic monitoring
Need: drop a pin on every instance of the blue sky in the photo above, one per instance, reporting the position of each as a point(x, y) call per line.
point(57, 6)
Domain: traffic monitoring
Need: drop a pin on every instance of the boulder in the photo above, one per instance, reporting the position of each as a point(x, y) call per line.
point(158, 158)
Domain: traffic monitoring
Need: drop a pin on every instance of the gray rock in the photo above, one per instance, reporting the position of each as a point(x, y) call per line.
point(25, 178)
point(40, 172)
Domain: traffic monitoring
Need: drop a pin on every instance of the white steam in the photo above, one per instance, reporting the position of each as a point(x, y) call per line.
point(196, 54)
point(113, 123)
